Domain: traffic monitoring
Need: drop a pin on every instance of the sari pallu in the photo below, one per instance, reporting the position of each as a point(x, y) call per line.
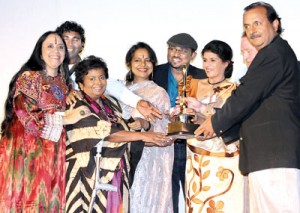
point(151, 190)
point(213, 180)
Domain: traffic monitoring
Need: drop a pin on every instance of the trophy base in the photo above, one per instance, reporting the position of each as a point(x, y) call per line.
point(182, 130)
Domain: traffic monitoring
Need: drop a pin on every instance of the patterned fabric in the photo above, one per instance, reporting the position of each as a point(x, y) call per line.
point(82, 139)
point(152, 190)
point(32, 168)
point(213, 180)
point(53, 127)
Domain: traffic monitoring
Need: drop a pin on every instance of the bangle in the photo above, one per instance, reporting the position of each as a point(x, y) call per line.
point(148, 128)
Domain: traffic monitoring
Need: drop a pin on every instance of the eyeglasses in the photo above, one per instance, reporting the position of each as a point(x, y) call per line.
point(180, 51)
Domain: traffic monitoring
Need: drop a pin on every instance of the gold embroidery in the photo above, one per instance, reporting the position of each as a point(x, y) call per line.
point(216, 154)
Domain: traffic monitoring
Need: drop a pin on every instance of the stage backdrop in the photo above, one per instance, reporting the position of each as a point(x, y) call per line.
point(113, 26)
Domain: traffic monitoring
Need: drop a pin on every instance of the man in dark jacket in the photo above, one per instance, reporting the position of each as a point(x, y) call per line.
point(266, 106)
point(181, 51)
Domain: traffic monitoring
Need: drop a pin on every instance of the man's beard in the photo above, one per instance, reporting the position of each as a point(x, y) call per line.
point(179, 68)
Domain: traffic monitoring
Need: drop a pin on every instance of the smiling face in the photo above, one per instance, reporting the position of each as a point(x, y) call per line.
point(258, 28)
point(141, 65)
point(53, 53)
point(214, 67)
point(74, 45)
point(178, 57)
point(94, 83)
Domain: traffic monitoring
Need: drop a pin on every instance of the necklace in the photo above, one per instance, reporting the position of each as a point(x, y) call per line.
point(108, 112)
point(216, 82)
point(102, 108)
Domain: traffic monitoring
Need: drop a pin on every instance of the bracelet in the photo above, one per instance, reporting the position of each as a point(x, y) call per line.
point(148, 128)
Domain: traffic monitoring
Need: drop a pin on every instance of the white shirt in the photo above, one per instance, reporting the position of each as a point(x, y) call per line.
point(118, 89)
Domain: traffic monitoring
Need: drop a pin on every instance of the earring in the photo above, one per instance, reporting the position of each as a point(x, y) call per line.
point(152, 75)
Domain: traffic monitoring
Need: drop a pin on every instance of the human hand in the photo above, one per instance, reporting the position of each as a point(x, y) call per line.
point(194, 104)
point(205, 131)
point(148, 110)
point(189, 111)
point(173, 113)
point(136, 125)
point(72, 115)
point(73, 94)
point(158, 139)
point(198, 118)
point(180, 101)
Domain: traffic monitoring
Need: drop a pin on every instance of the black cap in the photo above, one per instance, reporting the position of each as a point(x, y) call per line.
point(183, 40)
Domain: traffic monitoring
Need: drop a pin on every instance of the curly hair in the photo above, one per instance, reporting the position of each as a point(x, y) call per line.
point(69, 26)
point(88, 63)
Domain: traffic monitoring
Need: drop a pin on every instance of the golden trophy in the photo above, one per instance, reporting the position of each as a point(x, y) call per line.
point(183, 127)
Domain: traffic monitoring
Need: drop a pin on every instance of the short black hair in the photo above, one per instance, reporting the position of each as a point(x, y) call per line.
point(271, 13)
point(69, 26)
point(224, 51)
point(91, 62)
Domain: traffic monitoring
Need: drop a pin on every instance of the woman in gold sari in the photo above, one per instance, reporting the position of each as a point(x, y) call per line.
point(213, 180)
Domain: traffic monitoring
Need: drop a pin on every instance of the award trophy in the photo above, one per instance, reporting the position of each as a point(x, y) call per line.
point(182, 127)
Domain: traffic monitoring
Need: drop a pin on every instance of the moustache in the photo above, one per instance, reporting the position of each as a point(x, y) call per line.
point(254, 35)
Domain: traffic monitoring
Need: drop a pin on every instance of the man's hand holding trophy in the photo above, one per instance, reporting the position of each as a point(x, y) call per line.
point(182, 125)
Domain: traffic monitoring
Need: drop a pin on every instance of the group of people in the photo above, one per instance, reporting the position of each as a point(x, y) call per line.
point(245, 156)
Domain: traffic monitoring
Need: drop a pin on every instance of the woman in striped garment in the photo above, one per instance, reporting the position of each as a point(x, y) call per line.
point(105, 122)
